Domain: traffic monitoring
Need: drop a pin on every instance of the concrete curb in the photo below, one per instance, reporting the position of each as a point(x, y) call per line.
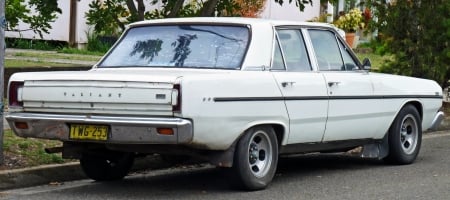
point(53, 174)
point(19, 178)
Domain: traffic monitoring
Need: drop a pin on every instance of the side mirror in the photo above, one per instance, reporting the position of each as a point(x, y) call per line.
point(366, 64)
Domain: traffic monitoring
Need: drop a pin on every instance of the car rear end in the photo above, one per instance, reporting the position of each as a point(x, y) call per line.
point(130, 103)
point(81, 108)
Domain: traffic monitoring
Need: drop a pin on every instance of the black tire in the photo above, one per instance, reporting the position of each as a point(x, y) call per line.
point(115, 166)
point(405, 137)
point(255, 158)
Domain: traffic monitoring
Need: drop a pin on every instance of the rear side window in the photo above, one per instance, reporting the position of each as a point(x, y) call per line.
point(291, 51)
point(278, 61)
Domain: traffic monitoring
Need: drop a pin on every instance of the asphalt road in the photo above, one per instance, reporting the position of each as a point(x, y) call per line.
point(301, 177)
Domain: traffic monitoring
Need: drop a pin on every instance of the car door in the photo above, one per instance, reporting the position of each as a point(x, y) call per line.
point(304, 91)
point(352, 109)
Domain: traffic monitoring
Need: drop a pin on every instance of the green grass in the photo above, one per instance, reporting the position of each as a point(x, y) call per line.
point(80, 51)
point(10, 63)
point(22, 43)
point(44, 55)
point(28, 152)
point(376, 60)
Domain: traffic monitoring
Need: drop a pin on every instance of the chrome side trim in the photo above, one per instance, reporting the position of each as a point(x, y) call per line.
point(124, 130)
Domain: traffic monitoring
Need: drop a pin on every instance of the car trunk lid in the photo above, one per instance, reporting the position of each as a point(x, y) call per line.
point(113, 92)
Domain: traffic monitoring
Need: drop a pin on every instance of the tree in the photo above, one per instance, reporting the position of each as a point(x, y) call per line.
point(301, 4)
point(39, 22)
point(110, 16)
point(417, 33)
point(248, 8)
point(107, 17)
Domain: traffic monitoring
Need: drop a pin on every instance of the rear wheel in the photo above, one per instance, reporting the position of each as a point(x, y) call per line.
point(405, 136)
point(113, 166)
point(256, 158)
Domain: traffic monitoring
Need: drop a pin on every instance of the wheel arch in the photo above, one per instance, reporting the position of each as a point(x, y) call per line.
point(383, 148)
point(256, 156)
point(414, 102)
point(280, 132)
point(225, 158)
point(402, 155)
point(279, 128)
point(417, 104)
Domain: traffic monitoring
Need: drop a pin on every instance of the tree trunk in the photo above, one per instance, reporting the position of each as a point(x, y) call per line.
point(137, 12)
point(209, 8)
point(132, 8)
point(141, 10)
point(176, 8)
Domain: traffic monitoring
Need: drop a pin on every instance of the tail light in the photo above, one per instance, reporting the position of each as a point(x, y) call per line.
point(176, 98)
point(15, 93)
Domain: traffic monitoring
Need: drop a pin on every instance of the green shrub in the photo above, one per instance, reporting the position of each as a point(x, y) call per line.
point(21, 43)
point(417, 33)
point(97, 43)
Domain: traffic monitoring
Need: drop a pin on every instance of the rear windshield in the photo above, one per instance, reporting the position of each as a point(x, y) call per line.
point(187, 46)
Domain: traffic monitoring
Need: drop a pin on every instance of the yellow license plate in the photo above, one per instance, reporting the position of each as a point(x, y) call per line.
point(88, 132)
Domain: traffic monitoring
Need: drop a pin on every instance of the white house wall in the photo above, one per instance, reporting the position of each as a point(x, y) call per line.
point(289, 11)
point(82, 28)
point(60, 27)
point(59, 31)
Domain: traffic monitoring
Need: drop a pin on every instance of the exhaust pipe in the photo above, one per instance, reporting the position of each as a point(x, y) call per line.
point(54, 150)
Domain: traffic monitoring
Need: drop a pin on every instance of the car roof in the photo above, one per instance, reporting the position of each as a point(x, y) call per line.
point(232, 20)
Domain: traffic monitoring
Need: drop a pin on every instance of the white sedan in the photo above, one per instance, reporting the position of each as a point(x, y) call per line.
point(232, 91)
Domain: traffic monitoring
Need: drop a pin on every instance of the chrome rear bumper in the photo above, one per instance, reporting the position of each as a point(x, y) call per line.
point(123, 130)
point(437, 120)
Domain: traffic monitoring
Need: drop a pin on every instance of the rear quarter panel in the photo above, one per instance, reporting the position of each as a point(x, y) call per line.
point(217, 124)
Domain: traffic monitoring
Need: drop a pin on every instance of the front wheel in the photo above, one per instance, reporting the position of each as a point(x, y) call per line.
point(110, 167)
point(405, 136)
point(255, 158)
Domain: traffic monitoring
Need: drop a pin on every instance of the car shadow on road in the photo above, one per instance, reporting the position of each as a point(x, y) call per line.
point(332, 161)
point(189, 182)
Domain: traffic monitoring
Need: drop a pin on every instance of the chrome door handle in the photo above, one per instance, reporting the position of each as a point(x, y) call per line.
point(332, 83)
point(285, 84)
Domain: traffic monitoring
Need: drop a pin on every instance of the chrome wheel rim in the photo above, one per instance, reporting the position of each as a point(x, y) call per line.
point(409, 134)
point(260, 154)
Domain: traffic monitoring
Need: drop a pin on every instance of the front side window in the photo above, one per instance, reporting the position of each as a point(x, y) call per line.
point(327, 50)
point(349, 63)
point(187, 46)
